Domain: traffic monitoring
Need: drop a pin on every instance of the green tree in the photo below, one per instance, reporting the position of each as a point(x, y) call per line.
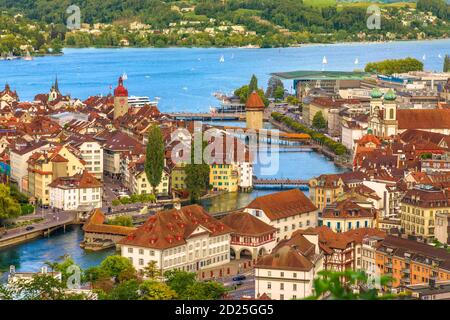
point(154, 290)
point(63, 267)
point(446, 63)
point(319, 121)
point(242, 93)
point(272, 85)
point(253, 86)
point(9, 207)
point(114, 265)
point(180, 281)
point(126, 290)
point(279, 93)
point(391, 66)
point(151, 270)
point(197, 176)
point(210, 290)
point(340, 286)
point(40, 287)
point(154, 161)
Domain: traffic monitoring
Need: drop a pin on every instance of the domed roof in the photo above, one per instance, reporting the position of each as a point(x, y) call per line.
point(120, 90)
point(254, 101)
point(390, 95)
point(376, 93)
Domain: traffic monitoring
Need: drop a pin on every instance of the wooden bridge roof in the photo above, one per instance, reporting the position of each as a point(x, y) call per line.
point(96, 224)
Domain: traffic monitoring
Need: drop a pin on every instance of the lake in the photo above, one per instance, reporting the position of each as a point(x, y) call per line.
point(184, 79)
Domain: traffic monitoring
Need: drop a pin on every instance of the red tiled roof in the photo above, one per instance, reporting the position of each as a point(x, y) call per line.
point(254, 101)
point(81, 180)
point(423, 119)
point(285, 258)
point(244, 223)
point(283, 204)
point(95, 224)
point(346, 209)
point(171, 228)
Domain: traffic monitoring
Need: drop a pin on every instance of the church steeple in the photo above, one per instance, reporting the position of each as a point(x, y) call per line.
point(56, 85)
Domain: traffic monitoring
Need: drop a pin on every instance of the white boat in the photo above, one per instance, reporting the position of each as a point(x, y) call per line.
point(440, 56)
point(124, 76)
point(324, 60)
point(424, 57)
point(222, 59)
point(357, 61)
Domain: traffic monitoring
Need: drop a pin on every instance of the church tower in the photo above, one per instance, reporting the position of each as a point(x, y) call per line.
point(120, 100)
point(254, 111)
point(54, 91)
point(376, 105)
point(390, 114)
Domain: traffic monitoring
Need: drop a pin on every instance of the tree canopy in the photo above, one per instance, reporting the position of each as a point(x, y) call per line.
point(154, 160)
point(319, 121)
point(9, 207)
point(392, 66)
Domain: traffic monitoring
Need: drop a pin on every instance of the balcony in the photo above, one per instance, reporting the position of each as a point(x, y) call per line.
point(406, 271)
point(388, 265)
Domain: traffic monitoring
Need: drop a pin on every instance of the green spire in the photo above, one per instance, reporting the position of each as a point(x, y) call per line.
point(390, 95)
point(369, 131)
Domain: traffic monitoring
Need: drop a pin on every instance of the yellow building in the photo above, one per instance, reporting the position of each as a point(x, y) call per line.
point(178, 177)
point(140, 184)
point(325, 190)
point(254, 111)
point(46, 166)
point(419, 207)
point(224, 177)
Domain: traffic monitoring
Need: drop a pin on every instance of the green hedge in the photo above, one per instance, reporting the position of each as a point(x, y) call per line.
point(337, 147)
point(26, 209)
point(134, 198)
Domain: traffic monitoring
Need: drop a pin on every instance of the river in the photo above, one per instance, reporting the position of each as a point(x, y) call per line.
point(185, 79)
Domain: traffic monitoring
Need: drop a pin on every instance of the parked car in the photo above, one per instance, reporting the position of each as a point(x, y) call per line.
point(239, 278)
point(29, 228)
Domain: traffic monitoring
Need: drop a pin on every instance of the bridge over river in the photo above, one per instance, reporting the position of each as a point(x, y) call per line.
point(280, 183)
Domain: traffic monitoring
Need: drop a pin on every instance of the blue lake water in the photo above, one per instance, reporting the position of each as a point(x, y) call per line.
point(185, 78)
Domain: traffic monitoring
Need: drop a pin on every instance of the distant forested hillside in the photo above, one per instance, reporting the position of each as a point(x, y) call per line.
point(264, 23)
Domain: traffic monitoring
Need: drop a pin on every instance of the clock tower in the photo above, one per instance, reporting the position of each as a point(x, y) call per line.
point(120, 100)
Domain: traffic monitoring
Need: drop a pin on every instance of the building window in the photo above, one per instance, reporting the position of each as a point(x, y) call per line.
point(141, 262)
point(269, 285)
point(281, 286)
point(130, 250)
